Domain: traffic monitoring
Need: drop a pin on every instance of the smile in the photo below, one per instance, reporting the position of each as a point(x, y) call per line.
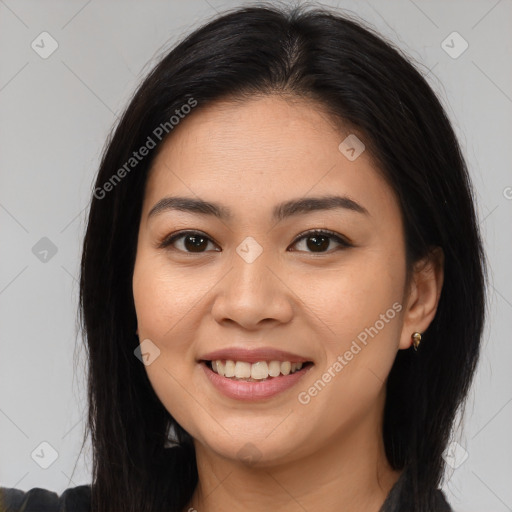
point(261, 370)
point(261, 380)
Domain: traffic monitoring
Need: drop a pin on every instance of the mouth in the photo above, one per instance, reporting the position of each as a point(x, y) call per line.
point(253, 375)
point(255, 372)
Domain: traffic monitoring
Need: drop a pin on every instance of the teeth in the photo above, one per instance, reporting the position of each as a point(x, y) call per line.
point(242, 370)
point(256, 371)
point(229, 369)
point(259, 370)
point(274, 368)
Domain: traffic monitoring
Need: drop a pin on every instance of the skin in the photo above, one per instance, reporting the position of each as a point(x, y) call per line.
point(327, 455)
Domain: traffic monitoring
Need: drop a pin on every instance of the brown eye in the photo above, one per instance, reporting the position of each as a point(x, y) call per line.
point(189, 242)
point(195, 243)
point(316, 241)
point(319, 241)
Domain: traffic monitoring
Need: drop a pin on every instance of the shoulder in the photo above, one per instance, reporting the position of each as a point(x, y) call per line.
point(73, 499)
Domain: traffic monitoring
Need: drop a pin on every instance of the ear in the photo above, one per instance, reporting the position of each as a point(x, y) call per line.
point(423, 295)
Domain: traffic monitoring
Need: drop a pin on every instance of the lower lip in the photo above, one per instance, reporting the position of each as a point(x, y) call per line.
point(252, 391)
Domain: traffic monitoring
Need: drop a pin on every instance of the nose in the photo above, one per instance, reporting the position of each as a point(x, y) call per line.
point(253, 294)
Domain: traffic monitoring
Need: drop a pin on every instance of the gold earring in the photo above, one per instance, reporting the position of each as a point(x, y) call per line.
point(416, 340)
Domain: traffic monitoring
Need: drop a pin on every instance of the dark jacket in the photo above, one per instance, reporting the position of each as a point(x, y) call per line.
point(78, 499)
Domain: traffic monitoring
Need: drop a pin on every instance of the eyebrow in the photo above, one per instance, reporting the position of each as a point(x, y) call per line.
point(280, 211)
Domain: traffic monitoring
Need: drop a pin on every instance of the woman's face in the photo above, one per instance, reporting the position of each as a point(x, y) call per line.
point(247, 284)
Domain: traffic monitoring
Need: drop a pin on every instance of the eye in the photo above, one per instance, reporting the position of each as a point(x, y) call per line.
point(318, 240)
point(189, 241)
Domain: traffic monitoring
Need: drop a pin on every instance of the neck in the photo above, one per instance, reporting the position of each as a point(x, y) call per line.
point(348, 473)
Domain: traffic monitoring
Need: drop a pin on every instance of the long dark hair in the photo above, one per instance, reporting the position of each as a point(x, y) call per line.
point(366, 84)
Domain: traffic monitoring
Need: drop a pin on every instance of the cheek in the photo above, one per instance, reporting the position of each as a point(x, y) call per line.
point(365, 315)
point(162, 303)
point(163, 297)
point(163, 307)
point(356, 297)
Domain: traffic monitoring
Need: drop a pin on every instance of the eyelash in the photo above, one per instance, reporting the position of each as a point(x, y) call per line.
point(344, 243)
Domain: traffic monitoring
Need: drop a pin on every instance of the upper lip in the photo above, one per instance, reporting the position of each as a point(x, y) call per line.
point(253, 355)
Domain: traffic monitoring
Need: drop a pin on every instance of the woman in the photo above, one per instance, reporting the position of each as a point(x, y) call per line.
point(282, 280)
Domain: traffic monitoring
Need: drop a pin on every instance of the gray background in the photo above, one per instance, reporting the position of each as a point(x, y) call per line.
point(55, 115)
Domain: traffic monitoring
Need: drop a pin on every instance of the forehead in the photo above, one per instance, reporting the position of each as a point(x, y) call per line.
point(258, 128)
point(258, 150)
